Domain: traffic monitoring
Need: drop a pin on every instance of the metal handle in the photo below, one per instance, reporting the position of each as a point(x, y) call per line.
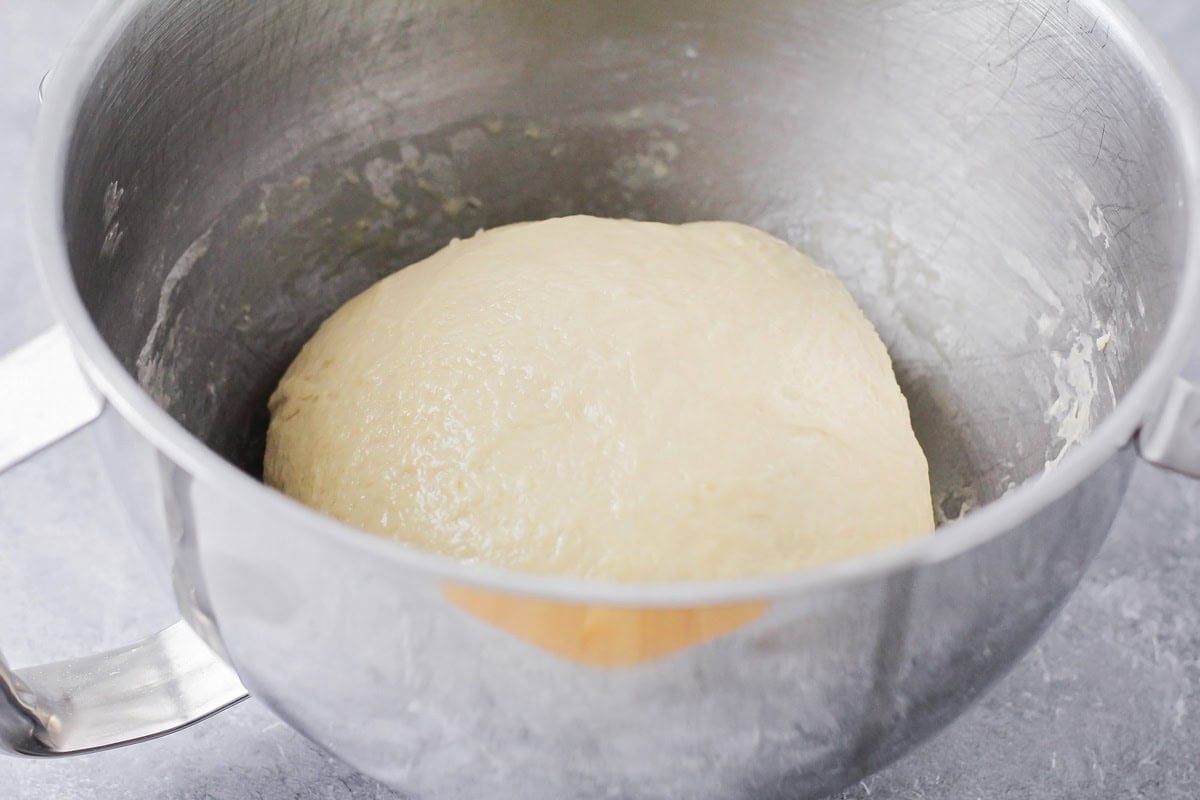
point(1171, 438)
point(156, 686)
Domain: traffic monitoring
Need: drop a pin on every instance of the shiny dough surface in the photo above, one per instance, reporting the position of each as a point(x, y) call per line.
point(606, 399)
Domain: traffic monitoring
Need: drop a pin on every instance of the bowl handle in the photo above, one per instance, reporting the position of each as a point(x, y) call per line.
point(153, 687)
point(1171, 437)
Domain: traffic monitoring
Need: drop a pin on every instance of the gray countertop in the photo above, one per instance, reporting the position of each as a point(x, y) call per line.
point(1107, 706)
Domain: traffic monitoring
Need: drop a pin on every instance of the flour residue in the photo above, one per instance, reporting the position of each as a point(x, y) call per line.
point(1075, 383)
point(159, 341)
point(641, 170)
point(647, 117)
point(382, 176)
point(112, 240)
point(1098, 226)
point(1032, 277)
point(113, 194)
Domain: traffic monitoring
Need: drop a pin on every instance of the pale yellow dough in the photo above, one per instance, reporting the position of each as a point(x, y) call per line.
point(606, 399)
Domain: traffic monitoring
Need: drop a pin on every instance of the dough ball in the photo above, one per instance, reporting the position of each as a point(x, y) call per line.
point(606, 399)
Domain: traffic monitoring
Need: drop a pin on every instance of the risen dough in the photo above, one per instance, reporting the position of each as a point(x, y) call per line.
point(607, 399)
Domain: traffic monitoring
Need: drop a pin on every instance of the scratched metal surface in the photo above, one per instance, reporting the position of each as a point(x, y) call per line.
point(1108, 705)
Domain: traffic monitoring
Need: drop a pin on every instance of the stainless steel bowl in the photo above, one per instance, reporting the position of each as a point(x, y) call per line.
point(1008, 188)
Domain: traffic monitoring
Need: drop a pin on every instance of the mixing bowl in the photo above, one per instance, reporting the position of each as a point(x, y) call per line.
point(1008, 188)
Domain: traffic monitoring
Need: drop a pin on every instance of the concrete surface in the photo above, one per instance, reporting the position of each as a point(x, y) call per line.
point(1107, 706)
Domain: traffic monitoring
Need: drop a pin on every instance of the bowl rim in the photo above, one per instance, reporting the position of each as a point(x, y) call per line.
point(66, 92)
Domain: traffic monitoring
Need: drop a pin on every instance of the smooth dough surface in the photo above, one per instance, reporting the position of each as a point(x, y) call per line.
point(606, 399)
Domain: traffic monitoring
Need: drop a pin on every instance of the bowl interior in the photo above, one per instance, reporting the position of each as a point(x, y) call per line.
point(997, 184)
